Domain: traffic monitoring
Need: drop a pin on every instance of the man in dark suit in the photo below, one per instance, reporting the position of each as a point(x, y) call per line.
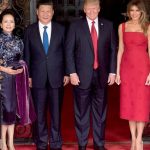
point(91, 62)
point(44, 54)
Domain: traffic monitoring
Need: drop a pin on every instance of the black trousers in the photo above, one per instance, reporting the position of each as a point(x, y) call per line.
point(90, 102)
point(45, 98)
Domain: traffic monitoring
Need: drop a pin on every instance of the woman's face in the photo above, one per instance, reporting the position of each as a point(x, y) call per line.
point(135, 13)
point(8, 23)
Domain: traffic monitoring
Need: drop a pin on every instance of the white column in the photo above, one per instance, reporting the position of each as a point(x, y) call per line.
point(33, 17)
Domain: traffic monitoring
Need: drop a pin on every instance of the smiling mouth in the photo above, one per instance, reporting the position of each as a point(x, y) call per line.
point(135, 17)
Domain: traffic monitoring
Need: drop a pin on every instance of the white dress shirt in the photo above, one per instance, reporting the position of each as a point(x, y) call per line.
point(49, 30)
point(95, 24)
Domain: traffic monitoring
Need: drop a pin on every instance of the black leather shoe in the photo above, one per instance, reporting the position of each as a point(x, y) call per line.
point(41, 149)
point(99, 148)
point(82, 148)
point(55, 149)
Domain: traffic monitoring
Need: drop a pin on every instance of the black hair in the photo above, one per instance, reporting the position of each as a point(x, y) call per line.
point(44, 2)
point(6, 12)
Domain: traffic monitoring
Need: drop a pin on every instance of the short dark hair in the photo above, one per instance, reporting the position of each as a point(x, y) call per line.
point(6, 12)
point(44, 2)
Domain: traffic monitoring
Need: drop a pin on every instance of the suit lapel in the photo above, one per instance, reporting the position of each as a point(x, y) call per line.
point(38, 38)
point(87, 32)
point(101, 30)
point(53, 37)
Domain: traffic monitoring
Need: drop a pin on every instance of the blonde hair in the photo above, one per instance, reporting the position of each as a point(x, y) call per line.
point(91, 1)
point(143, 18)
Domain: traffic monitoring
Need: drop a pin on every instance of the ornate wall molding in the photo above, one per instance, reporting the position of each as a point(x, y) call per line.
point(22, 8)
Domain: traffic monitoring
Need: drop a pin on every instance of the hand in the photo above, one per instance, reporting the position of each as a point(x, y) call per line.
point(11, 71)
point(30, 82)
point(19, 70)
point(111, 79)
point(66, 80)
point(148, 80)
point(118, 81)
point(74, 79)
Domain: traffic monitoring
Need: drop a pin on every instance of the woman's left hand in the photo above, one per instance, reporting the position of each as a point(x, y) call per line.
point(19, 71)
point(148, 80)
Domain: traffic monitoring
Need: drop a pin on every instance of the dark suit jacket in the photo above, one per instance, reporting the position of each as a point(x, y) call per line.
point(80, 53)
point(42, 66)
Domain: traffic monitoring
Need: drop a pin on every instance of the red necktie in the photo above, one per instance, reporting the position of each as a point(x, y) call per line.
point(95, 41)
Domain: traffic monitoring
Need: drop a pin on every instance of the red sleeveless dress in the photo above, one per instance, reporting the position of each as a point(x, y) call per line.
point(134, 69)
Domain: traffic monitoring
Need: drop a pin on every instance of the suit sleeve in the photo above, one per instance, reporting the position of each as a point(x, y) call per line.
point(26, 52)
point(70, 49)
point(113, 52)
point(63, 46)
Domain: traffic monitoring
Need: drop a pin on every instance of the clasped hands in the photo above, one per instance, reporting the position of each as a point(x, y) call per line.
point(11, 71)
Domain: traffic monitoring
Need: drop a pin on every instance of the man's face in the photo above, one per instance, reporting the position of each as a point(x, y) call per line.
point(92, 10)
point(45, 13)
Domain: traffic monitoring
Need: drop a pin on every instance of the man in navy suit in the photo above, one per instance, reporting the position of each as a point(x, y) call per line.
point(91, 63)
point(44, 54)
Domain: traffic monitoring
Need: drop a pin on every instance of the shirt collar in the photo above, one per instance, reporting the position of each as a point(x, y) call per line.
point(89, 20)
point(42, 25)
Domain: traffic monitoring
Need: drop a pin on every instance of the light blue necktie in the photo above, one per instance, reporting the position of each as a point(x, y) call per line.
point(45, 39)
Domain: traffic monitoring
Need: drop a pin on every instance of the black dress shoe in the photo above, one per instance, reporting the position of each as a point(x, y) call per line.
point(82, 148)
point(41, 149)
point(55, 149)
point(99, 148)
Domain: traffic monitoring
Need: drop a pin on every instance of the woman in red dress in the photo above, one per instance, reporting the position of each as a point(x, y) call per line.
point(133, 71)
